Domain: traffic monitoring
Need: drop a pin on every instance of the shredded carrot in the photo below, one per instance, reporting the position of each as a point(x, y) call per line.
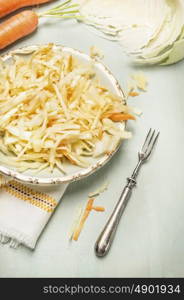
point(117, 117)
point(133, 94)
point(98, 208)
point(86, 213)
point(89, 205)
point(73, 162)
point(100, 135)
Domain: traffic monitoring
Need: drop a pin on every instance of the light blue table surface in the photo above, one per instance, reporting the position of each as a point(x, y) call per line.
point(150, 238)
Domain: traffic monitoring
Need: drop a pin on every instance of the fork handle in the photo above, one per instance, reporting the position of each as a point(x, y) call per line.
point(106, 237)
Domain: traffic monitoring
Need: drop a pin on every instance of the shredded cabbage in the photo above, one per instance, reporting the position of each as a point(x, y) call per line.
point(52, 109)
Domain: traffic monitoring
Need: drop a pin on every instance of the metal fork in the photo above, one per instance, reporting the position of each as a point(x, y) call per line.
point(106, 237)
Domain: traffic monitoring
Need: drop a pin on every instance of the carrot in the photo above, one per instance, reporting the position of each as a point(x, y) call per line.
point(17, 27)
point(133, 94)
point(87, 211)
point(100, 135)
point(25, 22)
point(8, 6)
point(89, 207)
point(98, 208)
point(117, 117)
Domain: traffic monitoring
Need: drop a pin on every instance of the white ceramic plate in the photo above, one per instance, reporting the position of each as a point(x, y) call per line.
point(73, 172)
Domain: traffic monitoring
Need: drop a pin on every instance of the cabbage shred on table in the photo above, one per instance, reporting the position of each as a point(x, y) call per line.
point(53, 108)
point(150, 31)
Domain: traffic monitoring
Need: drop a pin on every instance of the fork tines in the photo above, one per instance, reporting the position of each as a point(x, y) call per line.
point(149, 143)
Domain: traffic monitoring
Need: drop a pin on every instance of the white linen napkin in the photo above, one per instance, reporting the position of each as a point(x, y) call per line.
point(25, 210)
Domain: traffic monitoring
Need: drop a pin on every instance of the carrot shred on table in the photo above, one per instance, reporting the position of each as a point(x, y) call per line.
point(89, 207)
point(86, 213)
point(98, 208)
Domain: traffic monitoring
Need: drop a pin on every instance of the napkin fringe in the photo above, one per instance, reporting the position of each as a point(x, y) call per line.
point(14, 238)
point(13, 243)
point(4, 239)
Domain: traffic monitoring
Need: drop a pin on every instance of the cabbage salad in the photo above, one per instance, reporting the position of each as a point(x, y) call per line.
point(53, 108)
